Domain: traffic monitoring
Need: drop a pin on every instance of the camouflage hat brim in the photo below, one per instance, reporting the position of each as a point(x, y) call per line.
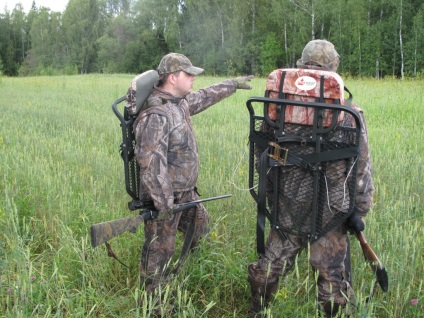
point(314, 65)
point(193, 70)
point(299, 62)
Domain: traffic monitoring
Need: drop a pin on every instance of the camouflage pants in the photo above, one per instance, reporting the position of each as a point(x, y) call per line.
point(327, 256)
point(160, 238)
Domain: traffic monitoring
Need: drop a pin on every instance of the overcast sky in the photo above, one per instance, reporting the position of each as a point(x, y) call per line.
point(54, 5)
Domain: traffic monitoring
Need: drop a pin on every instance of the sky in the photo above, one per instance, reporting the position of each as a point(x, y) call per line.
point(54, 5)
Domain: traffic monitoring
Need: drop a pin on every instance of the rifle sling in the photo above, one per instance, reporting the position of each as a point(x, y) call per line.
point(112, 254)
point(153, 214)
point(186, 246)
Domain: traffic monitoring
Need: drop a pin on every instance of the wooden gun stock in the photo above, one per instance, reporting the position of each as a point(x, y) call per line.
point(374, 261)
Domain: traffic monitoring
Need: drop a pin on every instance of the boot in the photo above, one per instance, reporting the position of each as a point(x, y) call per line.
point(331, 309)
point(262, 293)
point(340, 305)
point(152, 300)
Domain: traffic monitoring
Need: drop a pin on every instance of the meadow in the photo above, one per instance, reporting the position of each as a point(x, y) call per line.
point(60, 172)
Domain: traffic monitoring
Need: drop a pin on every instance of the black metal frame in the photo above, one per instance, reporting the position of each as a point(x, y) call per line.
point(277, 137)
point(131, 167)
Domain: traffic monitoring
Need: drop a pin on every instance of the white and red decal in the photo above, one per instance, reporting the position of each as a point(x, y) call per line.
point(305, 83)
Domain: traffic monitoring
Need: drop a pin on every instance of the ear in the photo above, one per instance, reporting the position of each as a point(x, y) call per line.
point(172, 78)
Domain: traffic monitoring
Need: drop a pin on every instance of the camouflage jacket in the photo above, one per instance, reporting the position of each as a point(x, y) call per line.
point(364, 184)
point(166, 147)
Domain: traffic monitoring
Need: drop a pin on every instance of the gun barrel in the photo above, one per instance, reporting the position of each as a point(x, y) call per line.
point(192, 204)
point(103, 232)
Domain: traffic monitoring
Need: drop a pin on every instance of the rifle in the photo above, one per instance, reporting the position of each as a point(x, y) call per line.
point(375, 263)
point(103, 232)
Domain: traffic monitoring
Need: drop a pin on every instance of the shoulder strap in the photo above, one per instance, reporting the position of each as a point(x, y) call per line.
point(348, 101)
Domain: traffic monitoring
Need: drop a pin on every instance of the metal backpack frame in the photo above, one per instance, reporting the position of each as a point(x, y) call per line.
point(144, 84)
point(275, 154)
point(131, 167)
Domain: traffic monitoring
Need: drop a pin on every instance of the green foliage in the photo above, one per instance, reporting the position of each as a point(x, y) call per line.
point(270, 54)
point(61, 172)
point(81, 27)
point(225, 37)
point(42, 70)
point(124, 45)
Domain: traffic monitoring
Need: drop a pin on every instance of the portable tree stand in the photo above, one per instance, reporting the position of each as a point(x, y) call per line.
point(299, 167)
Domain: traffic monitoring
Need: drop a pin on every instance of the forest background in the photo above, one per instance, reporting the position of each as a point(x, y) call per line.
point(375, 38)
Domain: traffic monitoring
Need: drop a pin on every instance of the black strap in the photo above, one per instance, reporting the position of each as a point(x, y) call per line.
point(189, 235)
point(281, 94)
point(321, 89)
point(261, 217)
point(330, 155)
point(186, 246)
point(348, 102)
point(258, 139)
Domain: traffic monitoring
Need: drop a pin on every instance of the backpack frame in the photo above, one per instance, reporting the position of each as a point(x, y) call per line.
point(275, 152)
point(144, 85)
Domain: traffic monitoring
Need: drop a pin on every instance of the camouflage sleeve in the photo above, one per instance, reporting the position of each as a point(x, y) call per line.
point(203, 98)
point(130, 97)
point(365, 186)
point(130, 100)
point(152, 134)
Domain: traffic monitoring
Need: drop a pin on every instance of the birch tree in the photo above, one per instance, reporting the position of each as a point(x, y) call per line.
point(417, 42)
point(308, 7)
point(401, 39)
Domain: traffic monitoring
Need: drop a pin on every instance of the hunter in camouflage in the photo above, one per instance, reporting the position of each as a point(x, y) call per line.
point(166, 150)
point(327, 253)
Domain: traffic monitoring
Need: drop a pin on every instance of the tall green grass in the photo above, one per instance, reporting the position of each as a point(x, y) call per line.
point(61, 172)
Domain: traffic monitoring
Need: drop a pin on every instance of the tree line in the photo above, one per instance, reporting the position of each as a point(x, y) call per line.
point(373, 37)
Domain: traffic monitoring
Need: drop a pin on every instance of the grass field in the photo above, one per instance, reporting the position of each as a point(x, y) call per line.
point(61, 171)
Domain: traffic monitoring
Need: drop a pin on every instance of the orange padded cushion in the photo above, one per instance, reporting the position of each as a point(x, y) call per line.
point(305, 85)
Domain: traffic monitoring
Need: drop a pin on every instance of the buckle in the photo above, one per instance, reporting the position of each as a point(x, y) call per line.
point(278, 153)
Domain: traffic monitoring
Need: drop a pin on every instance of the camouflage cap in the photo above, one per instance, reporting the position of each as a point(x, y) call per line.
point(320, 53)
point(174, 62)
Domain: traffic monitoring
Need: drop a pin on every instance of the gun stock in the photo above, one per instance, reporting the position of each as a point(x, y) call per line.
point(103, 232)
point(375, 263)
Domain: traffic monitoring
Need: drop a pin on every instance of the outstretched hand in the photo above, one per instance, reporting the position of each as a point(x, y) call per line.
point(241, 82)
